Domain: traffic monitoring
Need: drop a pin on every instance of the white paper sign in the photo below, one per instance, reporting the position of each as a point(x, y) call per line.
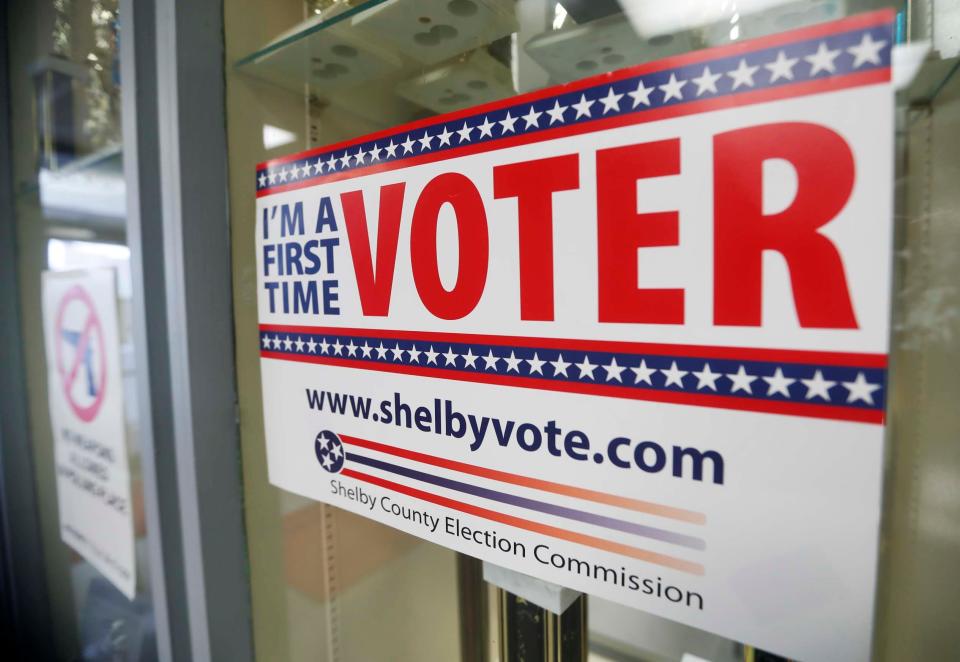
point(627, 335)
point(85, 389)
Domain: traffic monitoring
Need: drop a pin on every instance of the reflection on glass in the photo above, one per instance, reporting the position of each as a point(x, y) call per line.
point(71, 215)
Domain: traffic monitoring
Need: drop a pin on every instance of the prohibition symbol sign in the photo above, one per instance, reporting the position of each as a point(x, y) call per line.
point(81, 355)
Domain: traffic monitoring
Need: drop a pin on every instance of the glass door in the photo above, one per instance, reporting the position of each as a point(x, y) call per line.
point(76, 297)
point(329, 584)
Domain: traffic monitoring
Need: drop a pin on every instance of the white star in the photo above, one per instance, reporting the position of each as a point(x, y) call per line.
point(643, 373)
point(560, 366)
point(706, 378)
point(425, 141)
point(444, 136)
point(335, 452)
point(381, 351)
point(778, 383)
point(359, 157)
point(490, 361)
point(407, 145)
point(583, 107)
point(317, 167)
point(294, 172)
point(486, 129)
point(351, 349)
point(818, 387)
point(464, 133)
point(272, 177)
point(266, 342)
point(332, 163)
point(299, 344)
point(822, 60)
point(262, 179)
point(586, 368)
point(707, 81)
point(451, 357)
point(860, 389)
point(432, 355)
point(611, 101)
point(324, 346)
point(414, 354)
point(782, 67)
point(276, 342)
point(674, 375)
point(283, 175)
point(641, 94)
point(671, 89)
point(470, 359)
point(556, 113)
point(366, 349)
point(397, 352)
point(867, 50)
point(536, 364)
point(741, 380)
point(614, 370)
point(325, 461)
point(312, 345)
point(513, 363)
point(337, 347)
point(305, 170)
point(344, 160)
point(742, 75)
point(375, 152)
point(507, 123)
point(391, 148)
point(532, 118)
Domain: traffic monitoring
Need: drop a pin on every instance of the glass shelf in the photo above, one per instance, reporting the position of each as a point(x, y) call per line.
point(932, 77)
point(300, 32)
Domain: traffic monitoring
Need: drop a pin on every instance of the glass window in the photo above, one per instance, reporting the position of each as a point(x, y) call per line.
point(307, 74)
point(70, 213)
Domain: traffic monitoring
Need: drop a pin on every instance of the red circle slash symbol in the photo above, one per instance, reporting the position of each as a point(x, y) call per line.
point(87, 398)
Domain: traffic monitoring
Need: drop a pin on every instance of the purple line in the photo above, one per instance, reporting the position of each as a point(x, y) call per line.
point(691, 542)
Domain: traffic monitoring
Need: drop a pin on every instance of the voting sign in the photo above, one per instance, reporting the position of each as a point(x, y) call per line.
point(85, 392)
point(628, 335)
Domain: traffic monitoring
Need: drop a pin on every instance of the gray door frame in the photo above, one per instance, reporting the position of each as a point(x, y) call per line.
point(195, 223)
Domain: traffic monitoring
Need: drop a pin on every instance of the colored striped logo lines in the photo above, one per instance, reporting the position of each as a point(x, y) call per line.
point(362, 457)
point(816, 384)
point(848, 53)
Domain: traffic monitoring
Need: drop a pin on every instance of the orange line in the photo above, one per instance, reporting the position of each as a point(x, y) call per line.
point(535, 483)
point(545, 529)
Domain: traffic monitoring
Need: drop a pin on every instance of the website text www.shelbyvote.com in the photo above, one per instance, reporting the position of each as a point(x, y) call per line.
point(444, 418)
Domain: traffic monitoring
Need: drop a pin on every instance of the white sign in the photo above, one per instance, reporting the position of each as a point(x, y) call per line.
point(628, 335)
point(85, 389)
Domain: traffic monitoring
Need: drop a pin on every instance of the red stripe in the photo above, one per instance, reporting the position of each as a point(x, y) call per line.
point(860, 21)
point(843, 359)
point(544, 529)
point(689, 108)
point(810, 410)
point(534, 483)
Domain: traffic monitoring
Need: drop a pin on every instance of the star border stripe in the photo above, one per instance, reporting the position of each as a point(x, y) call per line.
point(846, 53)
point(820, 385)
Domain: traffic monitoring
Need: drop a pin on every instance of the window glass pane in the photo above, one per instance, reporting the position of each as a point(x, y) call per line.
point(71, 214)
point(307, 74)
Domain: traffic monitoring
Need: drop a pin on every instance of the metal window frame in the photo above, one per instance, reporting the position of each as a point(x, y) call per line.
point(201, 382)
